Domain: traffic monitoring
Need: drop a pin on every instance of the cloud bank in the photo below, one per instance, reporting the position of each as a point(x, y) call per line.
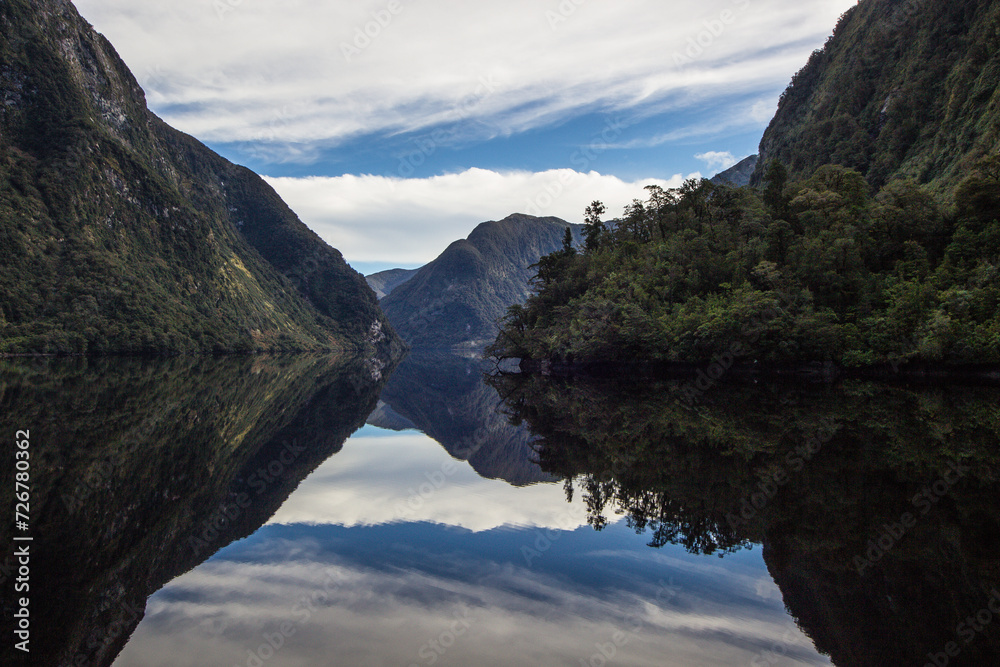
point(376, 219)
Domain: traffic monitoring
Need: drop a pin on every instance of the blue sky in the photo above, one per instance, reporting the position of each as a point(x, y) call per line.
point(393, 127)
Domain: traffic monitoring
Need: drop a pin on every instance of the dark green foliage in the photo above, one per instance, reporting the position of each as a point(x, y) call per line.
point(710, 271)
point(901, 90)
point(119, 234)
point(812, 472)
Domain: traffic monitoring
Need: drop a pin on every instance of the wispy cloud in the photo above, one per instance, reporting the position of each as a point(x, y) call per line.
point(292, 72)
point(405, 601)
point(717, 160)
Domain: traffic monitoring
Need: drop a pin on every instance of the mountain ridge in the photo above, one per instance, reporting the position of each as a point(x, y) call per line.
point(739, 174)
point(125, 235)
point(456, 299)
point(384, 282)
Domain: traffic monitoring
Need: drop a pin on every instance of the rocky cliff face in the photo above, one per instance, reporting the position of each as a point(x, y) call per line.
point(902, 89)
point(457, 299)
point(739, 174)
point(121, 234)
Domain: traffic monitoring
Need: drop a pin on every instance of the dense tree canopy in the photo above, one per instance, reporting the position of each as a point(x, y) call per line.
point(815, 270)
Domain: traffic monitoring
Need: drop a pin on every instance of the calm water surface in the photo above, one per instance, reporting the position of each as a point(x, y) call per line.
point(294, 511)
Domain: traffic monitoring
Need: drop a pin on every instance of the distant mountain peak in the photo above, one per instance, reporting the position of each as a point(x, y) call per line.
point(457, 299)
point(738, 175)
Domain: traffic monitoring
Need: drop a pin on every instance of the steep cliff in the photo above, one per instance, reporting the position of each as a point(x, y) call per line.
point(120, 234)
point(902, 89)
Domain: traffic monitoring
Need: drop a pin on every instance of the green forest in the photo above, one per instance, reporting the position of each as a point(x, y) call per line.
point(819, 269)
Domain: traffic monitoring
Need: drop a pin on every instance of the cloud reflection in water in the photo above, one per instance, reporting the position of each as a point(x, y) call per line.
point(480, 574)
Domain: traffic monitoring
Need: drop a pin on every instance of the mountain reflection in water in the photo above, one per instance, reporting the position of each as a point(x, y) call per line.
point(142, 469)
point(440, 534)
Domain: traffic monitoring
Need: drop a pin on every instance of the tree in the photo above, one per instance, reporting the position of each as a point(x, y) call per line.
point(568, 248)
point(595, 232)
point(978, 196)
point(775, 179)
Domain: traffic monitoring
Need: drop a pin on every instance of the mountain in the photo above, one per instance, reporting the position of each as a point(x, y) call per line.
point(458, 298)
point(384, 282)
point(142, 469)
point(901, 89)
point(826, 263)
point(738, 175)
point(120, 234)
point(444, 396)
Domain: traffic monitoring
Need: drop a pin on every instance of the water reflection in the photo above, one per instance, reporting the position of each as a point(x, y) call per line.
point(876, 505)
point(141, 470)
point(445, 397)
point(384, 477)
point(423, 594)
point(203, 498)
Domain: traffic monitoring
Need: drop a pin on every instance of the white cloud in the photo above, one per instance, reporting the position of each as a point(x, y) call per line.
point(390, 612)
point(717, 160)
point(762, 110)
point(275, 71)
point(411, 221)
point(408, 477)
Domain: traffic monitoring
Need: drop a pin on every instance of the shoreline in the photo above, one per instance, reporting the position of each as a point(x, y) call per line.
point(826, 372)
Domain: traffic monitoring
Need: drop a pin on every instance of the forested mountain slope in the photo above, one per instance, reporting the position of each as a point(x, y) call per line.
point(902, 89)
point(120, 234)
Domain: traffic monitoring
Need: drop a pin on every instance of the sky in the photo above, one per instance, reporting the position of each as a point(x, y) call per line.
point(394, 127)
point(382, 477)
point(385, 565)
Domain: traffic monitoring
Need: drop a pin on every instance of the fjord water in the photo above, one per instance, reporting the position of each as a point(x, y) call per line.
point(242, 512)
